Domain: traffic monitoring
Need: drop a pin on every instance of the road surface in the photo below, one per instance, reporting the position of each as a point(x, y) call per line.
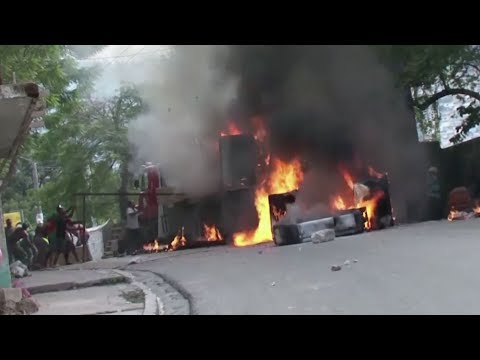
point(428, 268)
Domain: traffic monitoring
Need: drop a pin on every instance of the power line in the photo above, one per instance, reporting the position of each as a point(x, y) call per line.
point(125, 56)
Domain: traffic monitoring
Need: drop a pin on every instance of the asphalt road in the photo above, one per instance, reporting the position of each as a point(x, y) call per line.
point(428, 268)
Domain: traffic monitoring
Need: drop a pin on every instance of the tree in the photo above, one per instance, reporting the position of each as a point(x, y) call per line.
point(435, 72)
point(91, 150)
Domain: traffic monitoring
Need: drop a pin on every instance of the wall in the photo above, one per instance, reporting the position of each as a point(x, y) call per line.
point(5, 280)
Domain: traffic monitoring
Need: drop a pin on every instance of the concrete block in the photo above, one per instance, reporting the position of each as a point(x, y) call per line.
point(323, 236)
point(307, 229)
point(10, 295)
point(298, 233)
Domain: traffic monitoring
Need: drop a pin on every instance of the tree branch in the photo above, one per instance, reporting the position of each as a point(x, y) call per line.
point(476, 67)
point(446, 92)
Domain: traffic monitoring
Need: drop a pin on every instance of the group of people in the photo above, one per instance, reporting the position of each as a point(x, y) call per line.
point(51, 239)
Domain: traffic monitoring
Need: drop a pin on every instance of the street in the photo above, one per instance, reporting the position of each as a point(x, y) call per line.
point(427, 268)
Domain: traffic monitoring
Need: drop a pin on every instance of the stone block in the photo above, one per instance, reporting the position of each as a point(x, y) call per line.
point(323, 236)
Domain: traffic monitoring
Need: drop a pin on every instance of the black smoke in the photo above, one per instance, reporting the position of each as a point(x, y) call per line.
point(328, 105)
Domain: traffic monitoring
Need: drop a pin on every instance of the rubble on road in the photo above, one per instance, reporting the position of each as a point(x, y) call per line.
point(19, 270)
point(323, 236)
point(14, 302)
point(134, 261)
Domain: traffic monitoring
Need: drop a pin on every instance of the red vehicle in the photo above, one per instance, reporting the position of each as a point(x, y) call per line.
point(148, 202)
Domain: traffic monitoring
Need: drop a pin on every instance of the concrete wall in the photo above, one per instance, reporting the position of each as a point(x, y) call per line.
point(5, 280)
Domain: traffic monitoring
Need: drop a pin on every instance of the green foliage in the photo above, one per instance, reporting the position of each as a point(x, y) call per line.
point(85, 143)
point(434, 72)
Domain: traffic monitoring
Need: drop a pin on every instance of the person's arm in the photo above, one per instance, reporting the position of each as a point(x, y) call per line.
point(132, 212)
point(70, 211)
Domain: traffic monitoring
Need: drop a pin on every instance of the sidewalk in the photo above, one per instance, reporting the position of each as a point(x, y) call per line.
point(90, 292)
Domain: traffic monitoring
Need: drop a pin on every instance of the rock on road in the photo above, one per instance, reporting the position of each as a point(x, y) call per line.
point(427, 268)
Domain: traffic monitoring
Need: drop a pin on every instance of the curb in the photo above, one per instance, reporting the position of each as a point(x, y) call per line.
point(153, 304)
point(40, 289)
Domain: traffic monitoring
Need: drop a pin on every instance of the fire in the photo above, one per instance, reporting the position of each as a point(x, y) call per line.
point(285, 177)
point(453, 214)
point(153, 247)
point(232, 129)
point(370, 204)
point(179, 241)
point(338, 203)
point(211, 233)
point(347, 177)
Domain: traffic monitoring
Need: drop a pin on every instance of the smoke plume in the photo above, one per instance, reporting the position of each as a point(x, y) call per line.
point(187, 97)
point(325, 104)
point(331, 105)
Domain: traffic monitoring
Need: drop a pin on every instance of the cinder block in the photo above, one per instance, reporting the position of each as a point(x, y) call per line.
point(323, 236)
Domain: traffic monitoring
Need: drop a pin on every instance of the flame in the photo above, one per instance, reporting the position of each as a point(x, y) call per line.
point(338, 203)
point(152, 247)
point(285, 177)
point(232, 129)
point(346, 176)
point(211, 233)
point(370, 206)
point(179, 241)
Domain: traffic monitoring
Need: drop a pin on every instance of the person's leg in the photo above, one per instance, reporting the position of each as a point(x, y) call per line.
point(131, 241)
point(60, 249)
point(11, 258)
point(73, 249)
point(20, 254)
point(139, 239)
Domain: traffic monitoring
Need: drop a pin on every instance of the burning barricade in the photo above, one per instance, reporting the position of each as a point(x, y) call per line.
point(259, 192)
point(461, 205)
point(211, 236)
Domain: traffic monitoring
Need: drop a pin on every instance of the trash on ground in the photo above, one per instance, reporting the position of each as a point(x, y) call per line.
point(273, 283)
point(134, 261)
point(336, 268)
point(18, 269)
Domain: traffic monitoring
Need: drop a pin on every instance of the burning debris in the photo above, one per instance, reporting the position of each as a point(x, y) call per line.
point(154, 247)
point(461, 205)
point(211, 235)
point(273, 184)
point(179, 241)
point(370, 197)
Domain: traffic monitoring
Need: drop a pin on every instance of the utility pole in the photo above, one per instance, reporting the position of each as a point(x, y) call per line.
point(36, 186)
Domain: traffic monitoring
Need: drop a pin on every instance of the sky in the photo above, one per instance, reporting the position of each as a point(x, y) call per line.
point(120, 63)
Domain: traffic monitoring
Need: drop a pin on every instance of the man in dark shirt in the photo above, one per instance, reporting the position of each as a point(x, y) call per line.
point(15, 251)
point(8, 231)
point(62, 218)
